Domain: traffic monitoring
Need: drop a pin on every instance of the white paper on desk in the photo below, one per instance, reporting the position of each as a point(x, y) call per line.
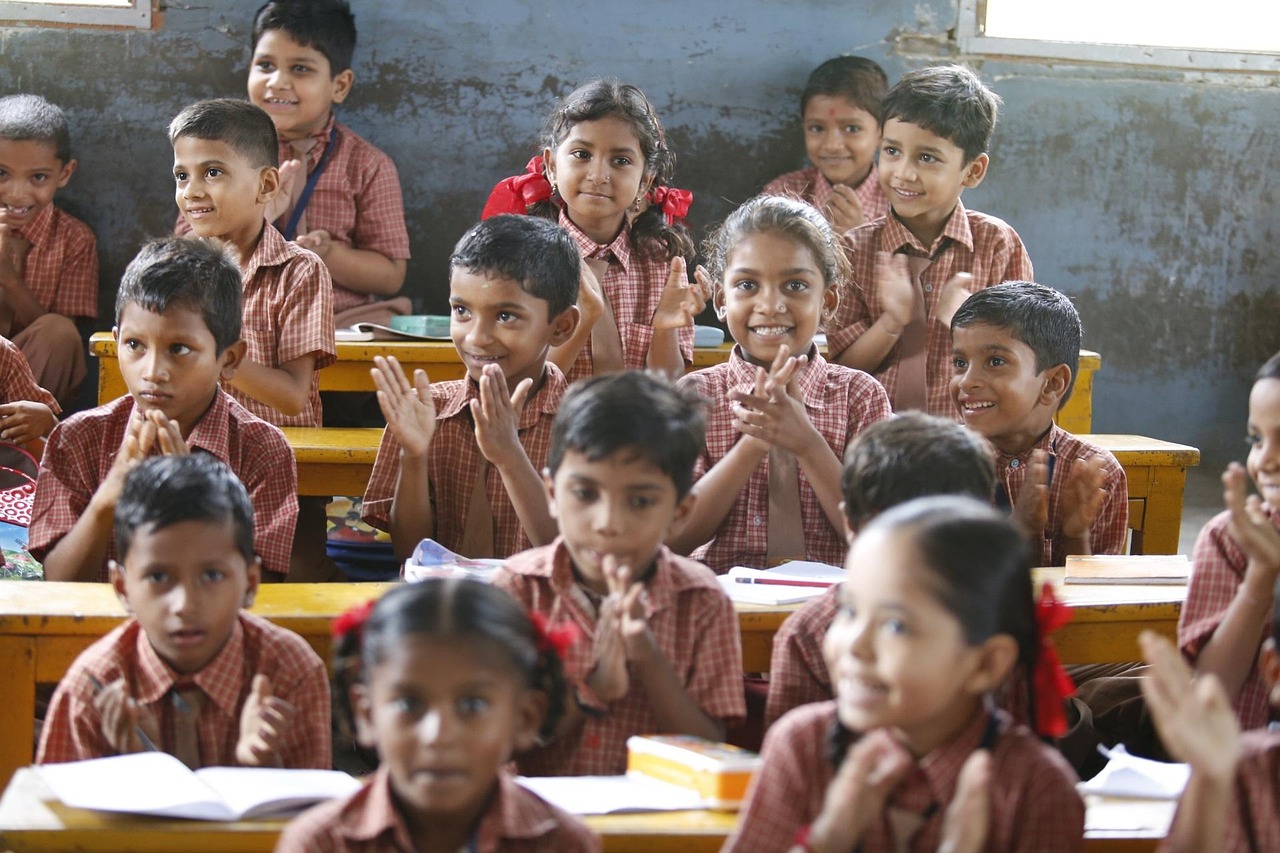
point(157, 783)
point(767, 594)
point(590, 795)
point(1113, 815)
point(1129, 776)
point(797, 570)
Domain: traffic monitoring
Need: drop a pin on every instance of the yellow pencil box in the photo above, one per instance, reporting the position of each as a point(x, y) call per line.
point(719, 772)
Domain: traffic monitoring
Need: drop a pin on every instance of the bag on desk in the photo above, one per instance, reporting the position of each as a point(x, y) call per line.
point(18, 470)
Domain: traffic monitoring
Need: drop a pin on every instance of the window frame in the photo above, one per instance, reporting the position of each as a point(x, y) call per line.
point(137, 15)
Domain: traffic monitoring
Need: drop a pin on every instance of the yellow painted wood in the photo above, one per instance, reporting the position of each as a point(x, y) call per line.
point(1157, 474)
point(1077, 415)
point(333, 460)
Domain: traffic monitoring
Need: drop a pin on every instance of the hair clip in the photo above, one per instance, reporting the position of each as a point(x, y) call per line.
point(353, 619)
point(674, 202)
point(560, 637)
point(1050, 681)
point(519, 192)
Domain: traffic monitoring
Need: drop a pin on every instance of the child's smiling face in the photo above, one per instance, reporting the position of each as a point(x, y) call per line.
point(30, 175)
point(295, 85)
point(840, 138)
point(599, 171)
point(1263, 462)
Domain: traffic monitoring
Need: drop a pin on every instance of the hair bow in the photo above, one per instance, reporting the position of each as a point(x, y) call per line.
point(519, 192)
point(553, 637)
point(674, 202)
point(1050, 681)
point(353, 619)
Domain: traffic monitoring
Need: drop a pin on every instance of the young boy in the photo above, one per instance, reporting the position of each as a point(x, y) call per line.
point(842, 109)
point(48, 258)
point(909, 456)
point(1015, 349)
point(190, 671)
point(912, 269)
point(661, 652)
point(178, 335)
point(459, 460)
point(27, 411)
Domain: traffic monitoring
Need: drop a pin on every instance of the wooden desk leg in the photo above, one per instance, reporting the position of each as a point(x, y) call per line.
point(1163, 519)
point(17, 704)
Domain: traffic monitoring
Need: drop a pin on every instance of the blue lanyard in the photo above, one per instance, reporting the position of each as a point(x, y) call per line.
point(290, 231)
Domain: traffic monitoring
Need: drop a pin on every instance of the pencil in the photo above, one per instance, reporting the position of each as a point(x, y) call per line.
point(147, 743)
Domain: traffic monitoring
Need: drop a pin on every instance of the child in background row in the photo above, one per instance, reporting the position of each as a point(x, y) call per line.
point(459, 460)
point(48, 258)
point(28, 412)
point(841, 108)
point(912, 269)
point(603, 177)
point(768, 482)
point(447, 680)
point(662, 652)
point(936, 611)
point(197, 675)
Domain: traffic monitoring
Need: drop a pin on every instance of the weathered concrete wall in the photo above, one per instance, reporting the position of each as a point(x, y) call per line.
point(1145, 195)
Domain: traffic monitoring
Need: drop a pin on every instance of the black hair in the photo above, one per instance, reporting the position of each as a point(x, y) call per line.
point(1041, 317)
point(651, 234)
point(538, 255)
point(913, 455)
point(162, 491)
point(448, 607)
point(1270, 369)
point(948, 101)
point(326, 25)
point(771, 214)
point(854, 77)
point(31, 118)
point(190, 272)
point(633, 412)
point(244, 126)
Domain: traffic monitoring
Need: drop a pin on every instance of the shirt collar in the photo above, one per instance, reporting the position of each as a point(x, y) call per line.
point(220, 679)
point(811, 380)
point(378, 816)
point(545, 400)
point(1047, 442)
point(895, 236)
point(940, 769)
point(512, 816)
point(36, 232)
point(661, 587)
point(271, 251)
point(315, 152)
point(620, 248)
point(211, 432)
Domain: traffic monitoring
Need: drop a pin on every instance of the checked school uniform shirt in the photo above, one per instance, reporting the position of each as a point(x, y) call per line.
point(17, 381)
point(62, 265)
point(812, 186)
point(692, 621)
point(798, 672)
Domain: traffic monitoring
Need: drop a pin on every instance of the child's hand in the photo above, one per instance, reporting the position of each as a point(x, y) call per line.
point(1031, 510)
point(957, 289)
point(845, 209)
point(139, 438)
point(608, 678)
point(122, 716)
point(293, 177)
point(263, 724)
point(317, 241)
point(25, 420)
point(968, 818)
point(1194, 717)
point(633, 625)
point(773, 413)
point(409, 409)
point(680, 302)
point(496, 415)
point(1083, 497)
point(168, 434)
point(13, 252)
point(856, 796)
point(1253, 530)
point(894, 289)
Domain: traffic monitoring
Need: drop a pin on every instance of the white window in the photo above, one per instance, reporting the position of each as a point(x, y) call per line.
point(107, 13)
point(1216, 35)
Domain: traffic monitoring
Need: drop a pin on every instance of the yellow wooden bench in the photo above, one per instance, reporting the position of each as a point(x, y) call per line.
point(1157, 475)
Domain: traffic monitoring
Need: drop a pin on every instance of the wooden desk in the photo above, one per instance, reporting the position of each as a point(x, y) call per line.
point(333, 461)
point(1157, 475)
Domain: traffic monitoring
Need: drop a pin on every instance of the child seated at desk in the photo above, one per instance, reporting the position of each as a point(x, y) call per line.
point(190, 672)
point(27, 411)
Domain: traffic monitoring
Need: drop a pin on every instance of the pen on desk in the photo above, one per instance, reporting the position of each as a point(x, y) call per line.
point(782, 582)
point(147, 743)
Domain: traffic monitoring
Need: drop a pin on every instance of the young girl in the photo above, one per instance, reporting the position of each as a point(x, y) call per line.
point(447, 679)
point(603, 176)
point(780, 415)
point(936, 612)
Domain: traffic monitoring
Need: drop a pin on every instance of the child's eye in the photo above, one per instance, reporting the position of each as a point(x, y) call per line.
point(179, 176)
point(214, 575)
point(797, 286)
point(579, 154)
point(39, 178)
point(1253, 439)
point(213, 172)
point(583, 495)
point(642, 502)
point(264, 65)
point(301, 69)
point(852, 128)
point(3, 173)
point(995, 361)
point(406, 705)
point(132, 344)
point(622, 162)
point(179, 349)
point(156, 577)
point(746, 285)
point(472, 705)
point(459, 311)
point(507, 317)
point(895, 626)
point(959, 364)
point(889, 151)
point(928, 158)
point(814, 128)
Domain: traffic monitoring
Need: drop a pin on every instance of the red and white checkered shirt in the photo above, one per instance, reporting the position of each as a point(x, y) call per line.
point(453, 461)
point(633, 285)
point(62, 265)
point(17, 382)
point(812, 186)
point(1110, 526)
point(516, 821)
point(1034, 804)
point(1253, 820)
point(798, 671)
point(972, 242)
point(81, 449)
point(73, 728)
point(696, 630)
point(1218, 567)
point(288, 313)
point(840, 401)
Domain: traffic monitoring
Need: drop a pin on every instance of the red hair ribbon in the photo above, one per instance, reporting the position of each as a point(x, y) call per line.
point(558, 637)
point(353, 619)
point(519, 192)
point(1050, 681)
point(674, 202)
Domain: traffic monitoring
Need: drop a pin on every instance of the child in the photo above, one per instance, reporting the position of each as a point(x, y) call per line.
point(459, 460)
point(178, 335)
point(841, 108)
point(768, 482)
point(190, 671)
point(28, 411)
point(936, 612)
point(448, 679)
point(1015, 350)
point(48, 258)
point(664, 655)
point(909, 456)
point(603, 176)
point(1229, 599)
point(912, 270)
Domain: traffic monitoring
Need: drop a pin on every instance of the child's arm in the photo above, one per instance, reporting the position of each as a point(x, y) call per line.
point(411, 416)
point(856, 796)
point(25, 420)
point(286, 388)
point(358, 270)
point(1231, 651)
point(844, 210)
point(126, 726)
point(590, 310)
point(264, 724)
point(1198, 725)
point(897, 296)
point(16, 300)
point(677, 307)
point(1080, 504)
point(1031, 505)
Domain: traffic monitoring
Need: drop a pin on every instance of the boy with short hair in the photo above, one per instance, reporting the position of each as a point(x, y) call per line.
point(1015, 349)
point(891, 462)
point(914, 267)
point(841, 109)
point(459, 460)
point(663, 653)
point(198, 676)
point(48, 258)
point(177, 335)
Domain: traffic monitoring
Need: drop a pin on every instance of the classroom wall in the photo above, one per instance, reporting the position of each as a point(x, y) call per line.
point(1146, 195)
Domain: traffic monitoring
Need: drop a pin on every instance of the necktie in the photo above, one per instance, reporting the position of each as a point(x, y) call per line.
point(912, 390)
point(606, 341)
point(477, 532)
point(187, 703)
point(786, 526)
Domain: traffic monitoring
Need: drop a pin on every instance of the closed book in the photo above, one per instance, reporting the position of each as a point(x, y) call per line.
point(1138, 570)
point(718, 772)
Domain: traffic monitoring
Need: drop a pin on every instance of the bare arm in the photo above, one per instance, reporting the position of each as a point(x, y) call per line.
point(411, 416)
point(590, 310)
point(286, 388)
point(359, 270)
point(678, 305)
point(897, 297)
point(715, 493)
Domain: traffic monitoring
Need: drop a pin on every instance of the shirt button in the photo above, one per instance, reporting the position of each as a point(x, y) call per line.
point(1015, 463)
point(757, 521)
point(928, 288)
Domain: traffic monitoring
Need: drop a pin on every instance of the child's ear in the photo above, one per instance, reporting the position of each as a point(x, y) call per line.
point(564, 324)
point(549, 165)
point(849, 530)
point(717, 298)
point(681, 516)
point(116, 572)
point(115, 335)
point(1056, 381)
point(975, 171)
point(549, 483)
point(342, 84)
point(268, 183)
point(531, 710)
point(1269, 664)
point(996, 657)
point(254, 570)
point(68, 169)
point(231, 358)
point(830, 302)
point(362, 711)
